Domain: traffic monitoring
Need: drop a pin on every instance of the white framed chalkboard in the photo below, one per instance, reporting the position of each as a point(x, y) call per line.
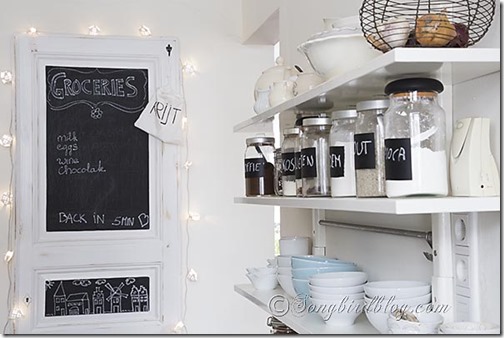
point(97, 198)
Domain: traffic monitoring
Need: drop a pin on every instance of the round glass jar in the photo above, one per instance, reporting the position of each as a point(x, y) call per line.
point(290, 147)
point(259, 166)
point(415, 139)
point(315, 160)
point(369, 152)
point(342, 153)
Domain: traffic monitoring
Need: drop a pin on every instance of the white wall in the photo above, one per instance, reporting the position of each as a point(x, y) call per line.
point(224, 242)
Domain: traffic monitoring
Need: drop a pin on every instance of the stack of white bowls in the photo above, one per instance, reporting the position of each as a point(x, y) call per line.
point(263, 278)
point(338, 297)
point(284, 274)
point(294, 246)
point(304, 267)
point(383, 297)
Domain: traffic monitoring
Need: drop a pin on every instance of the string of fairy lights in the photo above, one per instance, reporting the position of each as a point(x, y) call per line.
point(7, 200)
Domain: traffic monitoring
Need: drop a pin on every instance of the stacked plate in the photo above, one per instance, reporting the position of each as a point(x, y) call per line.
point(383, 297)
point(338, 297)
point(304, 267)
point(284, 274)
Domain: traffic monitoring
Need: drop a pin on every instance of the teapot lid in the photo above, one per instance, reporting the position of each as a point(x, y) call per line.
point(279, 66)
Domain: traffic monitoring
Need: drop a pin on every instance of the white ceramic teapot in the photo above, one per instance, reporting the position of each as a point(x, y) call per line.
point(274, 74)
point(281, 91)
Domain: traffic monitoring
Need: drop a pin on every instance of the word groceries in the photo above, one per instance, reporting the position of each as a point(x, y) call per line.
point(77, 218)
point(68, 160)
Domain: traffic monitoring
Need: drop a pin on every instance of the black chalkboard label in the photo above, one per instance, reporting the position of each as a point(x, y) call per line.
point(288, 164)
point(76, 297)
point(337, 161)
point(364, 151)
point(297, 154)
point(254, 167)
point(398, 159)
point(309, 162)
point(97, 161)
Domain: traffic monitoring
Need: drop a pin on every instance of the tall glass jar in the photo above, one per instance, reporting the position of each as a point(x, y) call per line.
point(290, 146)
point(342, 153)
point(415, 139)
point(259, 166)
point(315, 163)
point(369, 148)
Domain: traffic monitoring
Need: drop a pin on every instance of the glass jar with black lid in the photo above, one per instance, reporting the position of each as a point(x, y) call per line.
point(259, 166)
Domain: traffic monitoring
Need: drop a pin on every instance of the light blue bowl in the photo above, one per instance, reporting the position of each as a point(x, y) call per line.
point(306, 273)
point(301, 286)
point(299, 262)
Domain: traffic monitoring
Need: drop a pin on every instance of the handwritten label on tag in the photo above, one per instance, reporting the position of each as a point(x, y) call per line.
point(162, 117)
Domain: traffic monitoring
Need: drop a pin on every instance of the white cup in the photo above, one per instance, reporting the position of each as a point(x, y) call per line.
point(294, 246)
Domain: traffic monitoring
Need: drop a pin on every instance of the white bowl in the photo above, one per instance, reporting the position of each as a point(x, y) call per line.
point(294, 245)
point(337, 313)
point(339, 279)
point(413, 301)
point(262, 270)
point(345, 290)
point(284, 271)
point(263, 282)
point(428, 323)
point(284, 261)
point(328, 52)
point(469, 328)
point(328, 296)
point(399, 289)
point(287, 285)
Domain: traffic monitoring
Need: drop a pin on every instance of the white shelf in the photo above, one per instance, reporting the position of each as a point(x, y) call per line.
point(451, 65)
point(397, 206)
point(302, 322)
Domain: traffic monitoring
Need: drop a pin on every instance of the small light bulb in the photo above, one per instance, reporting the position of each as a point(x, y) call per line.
point(6, 141)
point(144, 30)
point(188, 68)
point(194, 216)
point(94, 30)
point(32, 31)
point(6, 198)
point(16, 314)
point(8, 256)
point(6, 77)
point(187, 165)
point(184, 123)
point(192, 275)
point(178, 327)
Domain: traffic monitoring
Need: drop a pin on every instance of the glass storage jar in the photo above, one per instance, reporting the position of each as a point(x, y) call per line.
point(259, 166)
point(290, 147)
point(342, 153)
point(315, 163)
point(369, 150)
point(415, 140)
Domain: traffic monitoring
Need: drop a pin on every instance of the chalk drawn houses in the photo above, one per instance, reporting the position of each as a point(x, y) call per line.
point(96, 296)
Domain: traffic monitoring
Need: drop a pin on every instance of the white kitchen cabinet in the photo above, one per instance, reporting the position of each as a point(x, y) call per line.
point(452, 67)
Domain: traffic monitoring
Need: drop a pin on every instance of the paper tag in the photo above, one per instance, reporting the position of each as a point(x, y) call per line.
point(162, 117)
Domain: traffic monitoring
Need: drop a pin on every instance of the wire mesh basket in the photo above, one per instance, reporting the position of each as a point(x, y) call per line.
point(389, 24)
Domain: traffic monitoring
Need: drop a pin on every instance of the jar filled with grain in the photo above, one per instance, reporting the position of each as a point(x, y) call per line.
point(290, 147)
point(369, 150)
point(342, 153)
point(315, 160)
point(259, 166)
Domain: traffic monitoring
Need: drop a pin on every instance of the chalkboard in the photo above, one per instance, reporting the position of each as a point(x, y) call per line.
point(97, 161)
point(75, 297)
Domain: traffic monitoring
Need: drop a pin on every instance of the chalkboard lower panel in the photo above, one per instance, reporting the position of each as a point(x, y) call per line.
point(97, 160)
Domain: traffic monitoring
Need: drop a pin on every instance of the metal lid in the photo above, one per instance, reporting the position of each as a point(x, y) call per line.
point(372, 105)
point(260, 140)
point(414, 84)
point(344, 114)
point(317, 121)
point(291, 131)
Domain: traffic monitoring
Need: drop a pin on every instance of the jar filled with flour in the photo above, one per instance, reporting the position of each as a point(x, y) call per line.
point(290, 151)
point(342, 153)
point(415, 141)
point(369, 150)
